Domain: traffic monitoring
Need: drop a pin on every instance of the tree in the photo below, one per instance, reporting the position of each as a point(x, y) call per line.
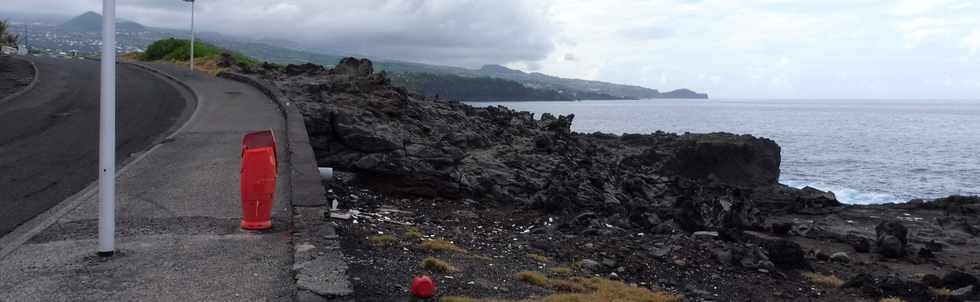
point(7, 37)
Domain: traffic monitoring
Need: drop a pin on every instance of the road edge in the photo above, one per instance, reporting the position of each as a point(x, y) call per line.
point(23, 233)
point(37, 76)
point(320, 273)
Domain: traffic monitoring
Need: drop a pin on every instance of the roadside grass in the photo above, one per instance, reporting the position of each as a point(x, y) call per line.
point(442, 246)
point(891, 300)
point(434, 264)
point(206, 55)
point(823, 280)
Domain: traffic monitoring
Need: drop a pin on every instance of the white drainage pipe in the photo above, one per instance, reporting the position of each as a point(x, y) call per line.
point(326, 173)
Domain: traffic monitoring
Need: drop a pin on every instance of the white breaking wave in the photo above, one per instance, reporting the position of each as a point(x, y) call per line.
point(847, 195)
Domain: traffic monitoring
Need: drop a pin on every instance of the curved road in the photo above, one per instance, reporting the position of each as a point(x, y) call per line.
point(49, 135)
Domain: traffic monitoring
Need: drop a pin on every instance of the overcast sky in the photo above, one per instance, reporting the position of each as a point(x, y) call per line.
point(730, 49)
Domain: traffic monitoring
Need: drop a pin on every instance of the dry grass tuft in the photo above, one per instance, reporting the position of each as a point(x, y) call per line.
point(823, 280)
point(130, 56)
point(891, 300)
point(561, 270)
point(434, 264)
point(603, 290)
point(535, 278)
point(942, 292)
point(539, 258)
point(609, 290)
point(467, 299)
point(541, 280)
point(413, 233)
point(383, 240)
point(481, 257)
point(442, 246)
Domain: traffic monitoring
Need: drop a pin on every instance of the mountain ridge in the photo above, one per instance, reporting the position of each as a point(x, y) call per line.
point(92, 22)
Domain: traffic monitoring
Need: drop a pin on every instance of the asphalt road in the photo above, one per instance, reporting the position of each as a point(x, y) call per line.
point(49, 135)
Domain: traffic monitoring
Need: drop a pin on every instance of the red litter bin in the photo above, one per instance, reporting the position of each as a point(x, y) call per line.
point(258, 179)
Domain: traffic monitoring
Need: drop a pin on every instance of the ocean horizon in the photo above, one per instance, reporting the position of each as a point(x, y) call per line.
point(867, 151)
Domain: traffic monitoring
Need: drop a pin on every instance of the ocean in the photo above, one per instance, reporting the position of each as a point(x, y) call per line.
point(865, 151)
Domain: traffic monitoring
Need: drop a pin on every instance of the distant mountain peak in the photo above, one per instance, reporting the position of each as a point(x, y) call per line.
point(92, 22)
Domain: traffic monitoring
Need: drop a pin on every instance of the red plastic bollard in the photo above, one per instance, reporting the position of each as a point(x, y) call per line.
point(423, 287)
point(258, 179)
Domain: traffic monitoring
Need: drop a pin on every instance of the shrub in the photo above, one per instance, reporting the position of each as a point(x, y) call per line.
point(180, 50)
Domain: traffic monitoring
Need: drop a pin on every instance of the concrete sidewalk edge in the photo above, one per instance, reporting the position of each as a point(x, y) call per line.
point(13, 240)
point(320, 270)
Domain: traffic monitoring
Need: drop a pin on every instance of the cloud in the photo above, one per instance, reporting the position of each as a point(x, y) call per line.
point(648, 32)
point(921, 29)
point(916, 7)
point(972, 41)
point(728, 48)
point(467, 33)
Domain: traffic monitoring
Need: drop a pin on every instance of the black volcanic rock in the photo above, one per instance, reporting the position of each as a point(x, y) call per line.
point(92, 22)
point(405, 143)
point(892, 239)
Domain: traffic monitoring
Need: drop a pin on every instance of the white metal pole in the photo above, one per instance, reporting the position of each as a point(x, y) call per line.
point(107, 133)
point(192, 35)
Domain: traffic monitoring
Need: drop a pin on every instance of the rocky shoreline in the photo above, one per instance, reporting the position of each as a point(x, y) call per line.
point(695, 215)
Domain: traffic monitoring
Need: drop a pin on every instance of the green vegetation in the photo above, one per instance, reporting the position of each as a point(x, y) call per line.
point(180, 50)
point(7, 38)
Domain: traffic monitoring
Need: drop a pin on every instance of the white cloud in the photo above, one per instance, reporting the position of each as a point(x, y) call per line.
point(972, 41)
point(921, 29)
point(727, 48)
point(915, 7)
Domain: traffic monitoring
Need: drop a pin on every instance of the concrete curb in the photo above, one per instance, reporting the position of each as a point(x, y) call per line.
point(319, 268)
point(37, 75)
point(13, 240)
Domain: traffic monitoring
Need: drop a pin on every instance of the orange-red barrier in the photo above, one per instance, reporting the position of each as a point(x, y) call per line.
point(258, 179)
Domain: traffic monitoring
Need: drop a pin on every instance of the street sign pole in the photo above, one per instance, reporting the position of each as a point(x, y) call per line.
point(107, 133)
point(192, 33)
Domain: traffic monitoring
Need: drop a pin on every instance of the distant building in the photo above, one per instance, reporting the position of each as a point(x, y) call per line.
point(22, 50)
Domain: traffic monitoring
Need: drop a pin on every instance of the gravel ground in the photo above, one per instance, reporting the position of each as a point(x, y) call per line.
point(384, 252)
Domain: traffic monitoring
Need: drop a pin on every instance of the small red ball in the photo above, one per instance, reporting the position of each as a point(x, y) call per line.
point(423, 287)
